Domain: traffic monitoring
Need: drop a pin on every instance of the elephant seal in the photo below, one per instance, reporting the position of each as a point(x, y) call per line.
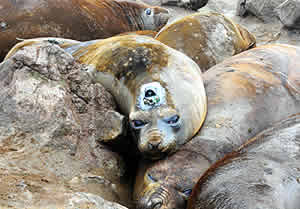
point(75, 19)
point(157, 87)
point(263, 173)
point(207, 37)
point(246, 94)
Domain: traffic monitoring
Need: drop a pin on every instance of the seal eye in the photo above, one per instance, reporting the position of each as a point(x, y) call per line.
point(151, 178)
point(187, 192)
point(137, 124)
point(173, 121)
point(148, 11)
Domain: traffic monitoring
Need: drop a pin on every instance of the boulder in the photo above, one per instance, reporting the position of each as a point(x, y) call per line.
point(289, 13)
point(51, 116)
point(262, 9)
point(189, 4)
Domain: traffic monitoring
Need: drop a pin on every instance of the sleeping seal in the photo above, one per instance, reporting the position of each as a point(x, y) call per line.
point(74, 19)
point(157, 87)
point(246, 94)
point(207, 37)
point(263, 173)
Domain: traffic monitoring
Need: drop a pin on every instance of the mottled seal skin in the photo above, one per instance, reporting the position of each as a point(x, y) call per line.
point(75, 19)
point(157, 87)
point(263, 173)
point(207, 37)
point(246, 94)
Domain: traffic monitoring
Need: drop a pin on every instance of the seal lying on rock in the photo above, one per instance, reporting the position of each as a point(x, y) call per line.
point(263, 173)
point(207, 37)
point(246, 94)
point(80, 20)
point(159, 88)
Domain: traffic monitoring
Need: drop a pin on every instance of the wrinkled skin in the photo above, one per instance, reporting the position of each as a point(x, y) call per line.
point(124, 65)
point(74, 19)
point(246, 94)
point(197, 36)
point(263, 173)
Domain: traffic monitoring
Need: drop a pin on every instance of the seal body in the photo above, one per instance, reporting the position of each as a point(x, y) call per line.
point(74, 19)
point(207, 37)
point(263, 173)
point(160, 89)
point(246, 94)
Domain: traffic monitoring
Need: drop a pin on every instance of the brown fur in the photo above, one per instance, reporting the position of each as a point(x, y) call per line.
point(74, 19)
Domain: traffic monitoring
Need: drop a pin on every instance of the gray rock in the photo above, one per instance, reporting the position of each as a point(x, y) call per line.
point(263, 9)
point(49, 124)
point(289, 13)
point(189, 4)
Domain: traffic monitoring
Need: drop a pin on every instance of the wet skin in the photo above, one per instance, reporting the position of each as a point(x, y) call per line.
point(263, 173)
point(246, 94)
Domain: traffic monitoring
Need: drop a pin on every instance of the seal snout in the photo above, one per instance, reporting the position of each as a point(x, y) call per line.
point(155, 203)
point(151, 203)
point(154, 140)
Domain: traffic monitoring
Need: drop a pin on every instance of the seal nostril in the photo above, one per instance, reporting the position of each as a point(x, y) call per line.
point(153, 145)
point(155, 203)
point(157, 206)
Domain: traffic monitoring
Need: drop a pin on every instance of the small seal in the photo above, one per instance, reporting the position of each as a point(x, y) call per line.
point(80, 20)
point(157, 87)
point(207, 37)
point(246, 94)
point(263, 173)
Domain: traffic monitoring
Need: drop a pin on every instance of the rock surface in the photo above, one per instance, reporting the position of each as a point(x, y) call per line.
point(51, 115)
point(289, 13)
point(264, 31)
point(263, 9)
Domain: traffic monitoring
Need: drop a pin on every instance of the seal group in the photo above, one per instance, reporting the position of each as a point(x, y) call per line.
point(246, 94)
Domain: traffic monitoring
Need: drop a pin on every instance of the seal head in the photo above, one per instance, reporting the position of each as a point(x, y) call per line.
point(159, 88)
